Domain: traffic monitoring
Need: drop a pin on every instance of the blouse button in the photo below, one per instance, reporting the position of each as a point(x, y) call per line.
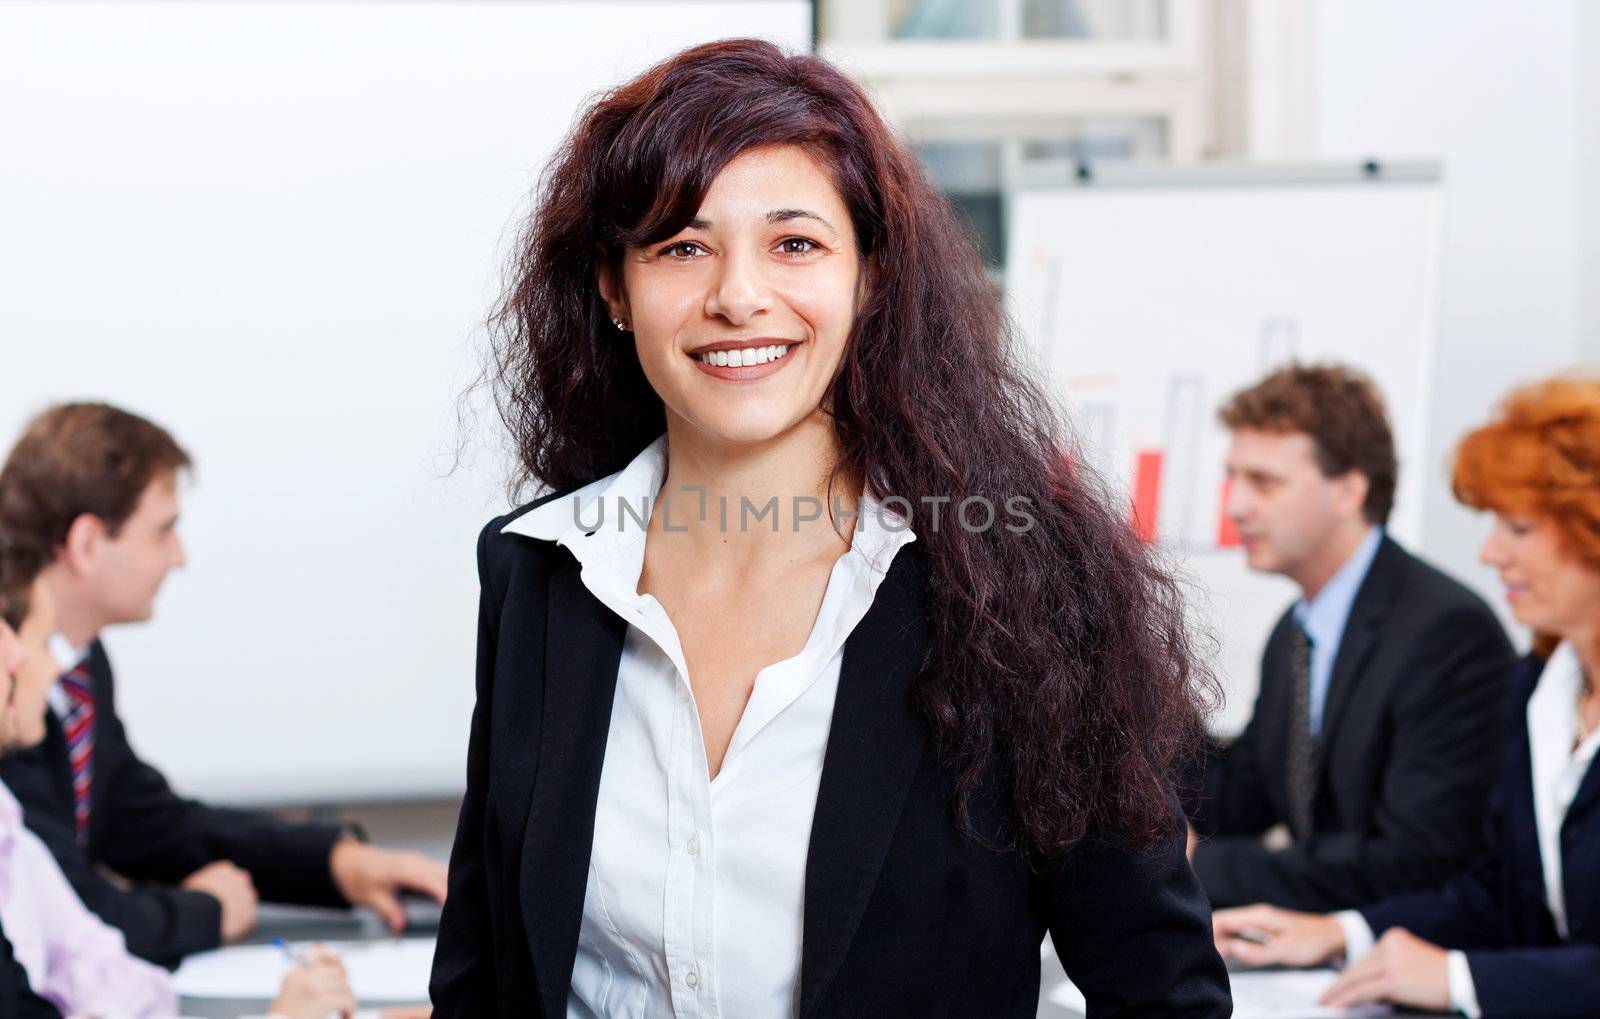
point(692, 979)
point(694, 845)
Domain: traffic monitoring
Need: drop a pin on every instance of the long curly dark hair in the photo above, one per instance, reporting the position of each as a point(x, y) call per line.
point(1061, 658)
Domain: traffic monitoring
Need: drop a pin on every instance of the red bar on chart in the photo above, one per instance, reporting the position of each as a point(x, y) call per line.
point(1227, 534)
point(1147, 494)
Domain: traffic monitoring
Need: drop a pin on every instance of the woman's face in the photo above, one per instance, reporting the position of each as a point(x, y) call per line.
point(1550, 589)
point(740, 319)
point(30, 670)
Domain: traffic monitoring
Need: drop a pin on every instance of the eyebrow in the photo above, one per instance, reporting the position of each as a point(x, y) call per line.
point(775, 216)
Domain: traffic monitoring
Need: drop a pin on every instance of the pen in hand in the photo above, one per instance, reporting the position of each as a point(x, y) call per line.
point(1254, 937)
point(317, 986)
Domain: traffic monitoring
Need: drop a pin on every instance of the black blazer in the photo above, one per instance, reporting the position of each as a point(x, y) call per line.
point(17, 1000)
point(142, 830)
point(1496, 911)
point(902, 915)
point(1411, 740)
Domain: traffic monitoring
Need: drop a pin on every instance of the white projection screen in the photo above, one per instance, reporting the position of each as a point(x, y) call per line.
point(276, 228)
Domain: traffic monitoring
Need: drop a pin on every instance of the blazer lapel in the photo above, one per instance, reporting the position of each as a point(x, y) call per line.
point(583, 647)
point(1588, 795)
point(1361, 631)
point(875, 744)
point(1522, 837)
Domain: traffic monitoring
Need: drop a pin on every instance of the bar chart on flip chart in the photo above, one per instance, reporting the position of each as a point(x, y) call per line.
point(1149, 296)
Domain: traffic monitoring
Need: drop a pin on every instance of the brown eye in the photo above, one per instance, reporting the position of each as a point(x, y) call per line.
point(683, 249)
point(797, 246)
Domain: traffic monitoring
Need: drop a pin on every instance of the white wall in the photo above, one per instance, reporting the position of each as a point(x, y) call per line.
point(274, 228)
point(1492, 89)
point(1588, 41)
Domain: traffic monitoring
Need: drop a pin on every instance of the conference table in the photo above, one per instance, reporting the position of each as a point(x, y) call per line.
point(299, 924)
point(293, 923)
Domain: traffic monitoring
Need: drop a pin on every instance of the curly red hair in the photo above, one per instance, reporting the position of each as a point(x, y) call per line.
point(1540, 457)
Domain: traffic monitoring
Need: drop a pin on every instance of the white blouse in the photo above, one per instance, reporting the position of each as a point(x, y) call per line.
point(694, 899)
point(1559, 763)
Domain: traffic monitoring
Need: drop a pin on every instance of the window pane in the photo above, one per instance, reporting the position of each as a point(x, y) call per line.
point(1095, 139)
point(947, 19)
point(969, 175)
point(976, 174)
point(1028, 19)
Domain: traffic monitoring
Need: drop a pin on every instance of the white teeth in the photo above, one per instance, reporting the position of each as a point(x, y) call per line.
point(744, 356)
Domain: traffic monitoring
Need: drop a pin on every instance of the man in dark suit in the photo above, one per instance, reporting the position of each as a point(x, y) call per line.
point(1376, 731)
point(88, 502)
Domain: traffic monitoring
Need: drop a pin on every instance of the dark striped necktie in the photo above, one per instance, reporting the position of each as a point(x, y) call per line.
point(1302, 763)
point(79, 726)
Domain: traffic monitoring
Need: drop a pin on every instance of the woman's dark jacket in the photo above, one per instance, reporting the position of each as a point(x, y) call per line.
point(903, 915)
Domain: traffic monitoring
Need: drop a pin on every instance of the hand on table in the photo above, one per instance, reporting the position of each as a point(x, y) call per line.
point(315, 989)
point(1264, 935)
point(231, 886)
point(1401, 969)
point(373, 877)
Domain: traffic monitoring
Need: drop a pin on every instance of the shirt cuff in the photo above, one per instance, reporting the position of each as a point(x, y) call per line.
point(1463, 993)
point(1358, 939)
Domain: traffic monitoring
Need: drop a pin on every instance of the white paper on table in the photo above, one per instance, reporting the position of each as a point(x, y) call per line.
point(1263, 994)
point(381, 972)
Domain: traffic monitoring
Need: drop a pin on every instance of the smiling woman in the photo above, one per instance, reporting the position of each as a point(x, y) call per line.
point(1538, 468)
point(744, 293)
point(855, 758)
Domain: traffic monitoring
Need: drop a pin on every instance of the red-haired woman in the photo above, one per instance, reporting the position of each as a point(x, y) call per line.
point(1519, 934)
point(820, 688)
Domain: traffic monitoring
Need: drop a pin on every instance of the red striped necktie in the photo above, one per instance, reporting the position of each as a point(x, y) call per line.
point(79, 725)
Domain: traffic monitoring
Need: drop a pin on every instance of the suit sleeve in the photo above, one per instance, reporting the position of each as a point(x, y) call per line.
point(1464, 913)
point(1133, 931)
point(153, 834)
point(1447, 741)
point(463, 983)
point(1553, 982)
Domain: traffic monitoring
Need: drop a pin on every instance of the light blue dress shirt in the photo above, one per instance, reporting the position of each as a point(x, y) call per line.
point(1324, 618)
